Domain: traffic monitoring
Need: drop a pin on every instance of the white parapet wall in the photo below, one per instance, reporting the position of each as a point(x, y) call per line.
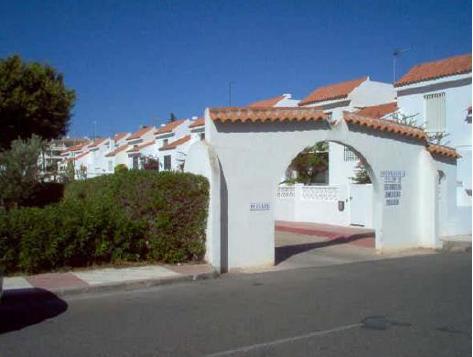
point(325, 204)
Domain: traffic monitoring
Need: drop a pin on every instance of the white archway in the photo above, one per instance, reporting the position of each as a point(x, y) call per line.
point(247, 149)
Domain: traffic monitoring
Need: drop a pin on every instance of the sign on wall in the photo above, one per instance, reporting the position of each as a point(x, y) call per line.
point(392, 186)
point(260, 206)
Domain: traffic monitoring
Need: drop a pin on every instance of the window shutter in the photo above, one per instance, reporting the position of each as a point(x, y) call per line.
point(435, 112)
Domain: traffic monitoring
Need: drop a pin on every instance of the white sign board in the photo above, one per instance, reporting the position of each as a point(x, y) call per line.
point(392, 186)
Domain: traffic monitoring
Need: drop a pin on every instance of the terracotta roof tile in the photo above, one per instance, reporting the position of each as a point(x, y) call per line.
point(438, 69)
point(235, 114)
point(117, 150)
point(139, 133)
point(97, 142)
point(198, 122)
point(385, 125)
point(332, 91)
point(80, 156)
point(169, 127)
point(119, 136)
point(443, 151)
point(76, 147)
point(175, 143)
point(141, 146)
point(378, 111)
point(266, 103)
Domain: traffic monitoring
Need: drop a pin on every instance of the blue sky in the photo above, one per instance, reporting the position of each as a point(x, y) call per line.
point(134, 62)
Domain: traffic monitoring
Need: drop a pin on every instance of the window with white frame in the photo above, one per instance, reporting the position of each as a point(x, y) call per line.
point(348, 155)
point(110, 165)
point(435, 112)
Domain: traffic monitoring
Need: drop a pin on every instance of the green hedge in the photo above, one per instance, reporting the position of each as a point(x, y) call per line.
point(128, 216)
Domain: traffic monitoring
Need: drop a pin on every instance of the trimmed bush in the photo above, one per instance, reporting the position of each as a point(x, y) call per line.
point(120, 168)
point(127, 216)
point(44, 193)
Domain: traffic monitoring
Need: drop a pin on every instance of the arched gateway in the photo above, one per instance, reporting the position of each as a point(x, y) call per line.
point(247, 150)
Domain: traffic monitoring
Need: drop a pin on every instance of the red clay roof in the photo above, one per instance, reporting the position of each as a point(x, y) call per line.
point(119, 136)
point(235, 114)
point(332, 91)
point(169, 127)
point(176, 143)
point(378, 111)
point(97, 142)
point(117, 150)
point(76, 147)
point(141, 146)
point(139, 133)
point(438, 69)
point(443, 151)
point(266, 103)
point(81, 155)
point(198, 122)
point(385, 125)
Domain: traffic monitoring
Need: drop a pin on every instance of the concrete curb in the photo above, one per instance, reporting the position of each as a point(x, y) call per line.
point(456, 246)
point(129, 285)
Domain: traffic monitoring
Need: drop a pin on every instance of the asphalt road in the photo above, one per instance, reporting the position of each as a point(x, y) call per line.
point(415, 306)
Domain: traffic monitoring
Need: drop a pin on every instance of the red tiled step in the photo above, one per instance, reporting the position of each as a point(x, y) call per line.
point(354, 235)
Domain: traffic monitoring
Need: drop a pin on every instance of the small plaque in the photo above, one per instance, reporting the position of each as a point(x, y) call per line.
point(260, 206)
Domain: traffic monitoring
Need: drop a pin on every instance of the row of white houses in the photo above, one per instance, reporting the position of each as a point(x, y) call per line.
point(165, 148)
point(434, 95)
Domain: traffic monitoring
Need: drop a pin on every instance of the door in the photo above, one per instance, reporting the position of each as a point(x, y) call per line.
point(361, 205)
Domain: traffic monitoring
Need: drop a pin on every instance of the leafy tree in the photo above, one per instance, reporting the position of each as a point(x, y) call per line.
point(172, 117)
point(409, 120)
point(310, 162)
point(69, 172)
point(361, 174)
point(438, 138)
point(33, 100)
point(19, 171)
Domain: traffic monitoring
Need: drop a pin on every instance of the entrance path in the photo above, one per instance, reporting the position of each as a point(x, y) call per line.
point(363, 237)
point(304, 245)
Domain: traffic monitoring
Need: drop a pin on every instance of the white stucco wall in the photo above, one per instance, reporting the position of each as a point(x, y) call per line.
point(357, 201)
point(340, 171)
point(99, 163)
point(458, 91)
point(287, 101)
point(253, 157)
point(202, 160)
point(372, 93)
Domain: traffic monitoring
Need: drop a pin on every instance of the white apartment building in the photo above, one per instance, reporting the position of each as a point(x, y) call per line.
point(171, 144)
point(140, 139)
point(438, 96)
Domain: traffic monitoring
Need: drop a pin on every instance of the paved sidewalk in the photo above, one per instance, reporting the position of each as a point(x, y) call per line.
point(83, 281)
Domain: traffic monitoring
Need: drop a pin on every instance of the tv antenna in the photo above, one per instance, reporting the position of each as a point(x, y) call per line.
point(396, 54)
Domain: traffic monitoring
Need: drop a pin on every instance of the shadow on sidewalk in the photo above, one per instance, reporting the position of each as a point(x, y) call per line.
point(25, 307)
point(285, 252)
